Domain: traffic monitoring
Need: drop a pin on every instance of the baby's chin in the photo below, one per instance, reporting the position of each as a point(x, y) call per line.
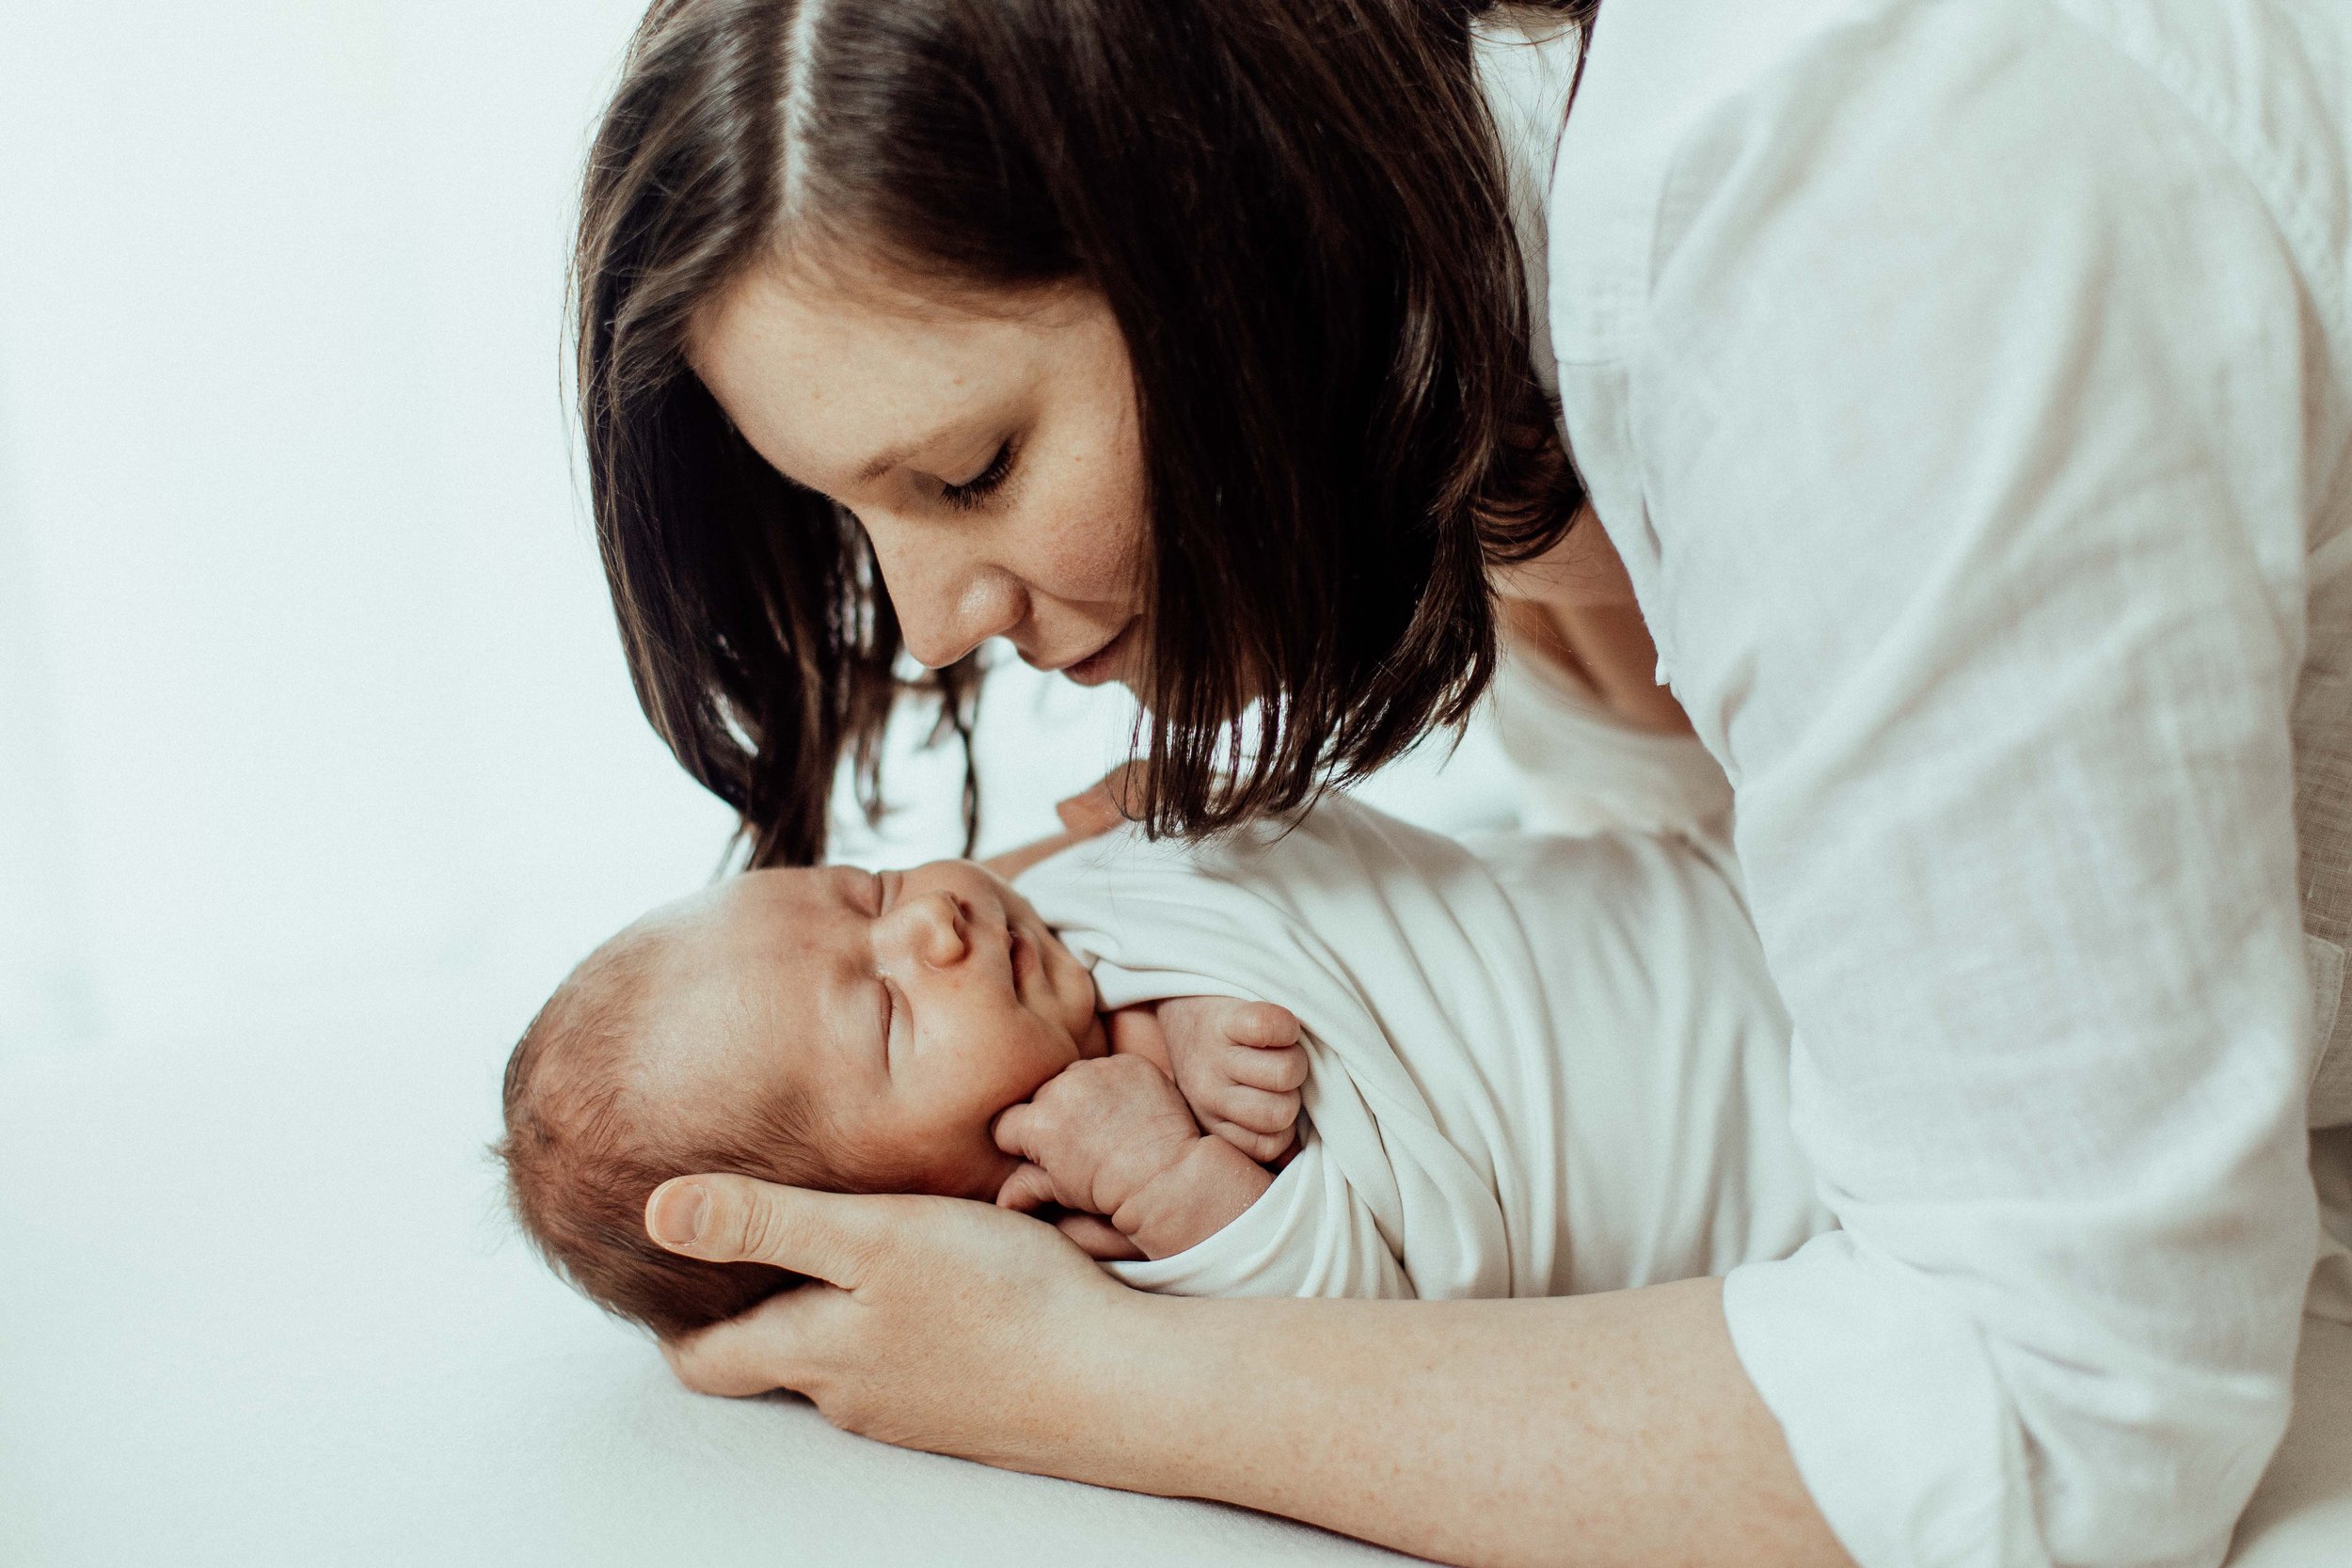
point(1092, 1038)
point(1066, 979)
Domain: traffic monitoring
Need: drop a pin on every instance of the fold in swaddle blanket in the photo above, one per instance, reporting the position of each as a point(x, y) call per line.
point(1537, 1066)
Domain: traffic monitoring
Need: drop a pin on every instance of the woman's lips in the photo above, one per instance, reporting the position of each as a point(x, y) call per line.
point(1097, 667)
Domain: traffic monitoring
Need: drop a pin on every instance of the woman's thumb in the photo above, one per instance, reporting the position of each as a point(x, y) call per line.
point(735, 1219)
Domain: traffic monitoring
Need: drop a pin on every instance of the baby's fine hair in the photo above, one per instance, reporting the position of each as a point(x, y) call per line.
point(581, 1158)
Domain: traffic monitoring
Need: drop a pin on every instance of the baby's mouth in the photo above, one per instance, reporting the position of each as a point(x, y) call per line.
point(1025, 961)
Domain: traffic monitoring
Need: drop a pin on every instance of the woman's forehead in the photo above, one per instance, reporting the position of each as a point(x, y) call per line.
point(831, 383)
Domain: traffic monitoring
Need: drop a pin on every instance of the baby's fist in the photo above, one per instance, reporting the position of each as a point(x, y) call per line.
point(1094, 1135)
point(1240, 1064)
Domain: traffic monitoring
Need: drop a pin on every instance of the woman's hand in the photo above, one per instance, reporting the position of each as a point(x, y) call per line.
point(1498, 1429)
point(934, 1323)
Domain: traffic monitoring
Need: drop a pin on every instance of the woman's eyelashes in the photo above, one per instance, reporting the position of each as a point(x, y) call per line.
point(976, 489)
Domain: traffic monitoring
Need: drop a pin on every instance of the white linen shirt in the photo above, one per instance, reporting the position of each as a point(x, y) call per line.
point(1966, 383)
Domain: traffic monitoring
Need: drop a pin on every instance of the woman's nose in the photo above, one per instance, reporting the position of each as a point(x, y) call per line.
point(933, 930)
point(946, 607)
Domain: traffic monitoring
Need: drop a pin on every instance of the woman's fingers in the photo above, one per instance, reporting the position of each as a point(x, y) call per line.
point(758, 1351)
point(957, 1312)
point(735, 1219)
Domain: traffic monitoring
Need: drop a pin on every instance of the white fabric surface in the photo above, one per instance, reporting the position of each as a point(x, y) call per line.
point(1966, 387)
point(1538, 1065)
point(243, 1328)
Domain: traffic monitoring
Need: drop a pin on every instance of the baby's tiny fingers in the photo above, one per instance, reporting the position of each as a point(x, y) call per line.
point(1255, 1109)
point(1265, 1147)
point(1263, 1025)
point(1278, 1070)
point(1017, 1131)
point(1027, 1188)
point(1098, 1238)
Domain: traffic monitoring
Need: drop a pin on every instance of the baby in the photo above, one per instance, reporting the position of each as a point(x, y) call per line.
point(1531, 1065)
point(909, 1032)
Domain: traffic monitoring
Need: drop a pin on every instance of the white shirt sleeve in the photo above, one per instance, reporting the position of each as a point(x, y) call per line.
point(1969, 414)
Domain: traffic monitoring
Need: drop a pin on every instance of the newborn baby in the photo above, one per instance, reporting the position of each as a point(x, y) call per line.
point(1535, 1066)
point(831, 1027)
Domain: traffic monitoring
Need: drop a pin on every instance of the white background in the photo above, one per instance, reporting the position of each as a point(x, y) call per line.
point(308, 684)
point(318, 766)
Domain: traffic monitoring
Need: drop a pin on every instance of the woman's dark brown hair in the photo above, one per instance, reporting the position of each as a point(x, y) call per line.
point(1297, 212)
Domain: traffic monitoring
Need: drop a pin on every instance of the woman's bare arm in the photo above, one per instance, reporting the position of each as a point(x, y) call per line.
point(1596, 1430)
point(1604, 649)
point(1572, 611)
point(1012, 863)
point(1088, 815)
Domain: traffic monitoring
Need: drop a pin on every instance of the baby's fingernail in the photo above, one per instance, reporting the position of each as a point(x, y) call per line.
point(677, 1214)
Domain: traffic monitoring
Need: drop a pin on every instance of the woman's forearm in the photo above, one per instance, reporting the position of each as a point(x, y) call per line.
point(1593, 1430)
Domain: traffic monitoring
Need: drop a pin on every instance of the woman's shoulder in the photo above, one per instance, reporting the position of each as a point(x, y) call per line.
point(1693, 111)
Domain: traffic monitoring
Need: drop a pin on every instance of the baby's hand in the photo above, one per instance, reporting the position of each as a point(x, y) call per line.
point(1095, 1135)
point(1240, 1064)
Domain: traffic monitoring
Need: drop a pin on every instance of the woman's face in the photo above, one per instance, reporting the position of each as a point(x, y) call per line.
point(991, 457)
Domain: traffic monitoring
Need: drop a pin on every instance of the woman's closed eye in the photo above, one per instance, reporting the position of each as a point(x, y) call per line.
point(974, 491)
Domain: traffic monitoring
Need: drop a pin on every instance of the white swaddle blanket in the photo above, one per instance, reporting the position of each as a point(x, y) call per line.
point(1537, 1066)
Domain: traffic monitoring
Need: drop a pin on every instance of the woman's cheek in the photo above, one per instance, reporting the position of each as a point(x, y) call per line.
point(1095, 527)
point(1090, 558)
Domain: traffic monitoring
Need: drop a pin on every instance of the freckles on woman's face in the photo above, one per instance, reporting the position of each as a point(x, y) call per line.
point(989, 449)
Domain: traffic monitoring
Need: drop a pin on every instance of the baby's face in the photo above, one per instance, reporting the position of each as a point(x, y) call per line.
point(910, 1007)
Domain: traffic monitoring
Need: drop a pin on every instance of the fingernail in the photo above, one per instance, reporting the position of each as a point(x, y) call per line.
point(677, 1214)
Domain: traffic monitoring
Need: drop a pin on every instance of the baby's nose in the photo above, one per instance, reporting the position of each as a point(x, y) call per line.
point(936, 930)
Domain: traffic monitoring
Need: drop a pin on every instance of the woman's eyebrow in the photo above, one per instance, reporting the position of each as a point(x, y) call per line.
point(883, 462)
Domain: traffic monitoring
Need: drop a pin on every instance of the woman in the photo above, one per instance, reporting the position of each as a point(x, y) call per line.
point(1965, 390)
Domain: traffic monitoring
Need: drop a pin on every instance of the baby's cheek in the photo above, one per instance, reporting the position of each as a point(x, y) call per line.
point(949, 1155)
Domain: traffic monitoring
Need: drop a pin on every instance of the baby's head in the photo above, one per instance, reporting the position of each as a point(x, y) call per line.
point(825, 1027)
